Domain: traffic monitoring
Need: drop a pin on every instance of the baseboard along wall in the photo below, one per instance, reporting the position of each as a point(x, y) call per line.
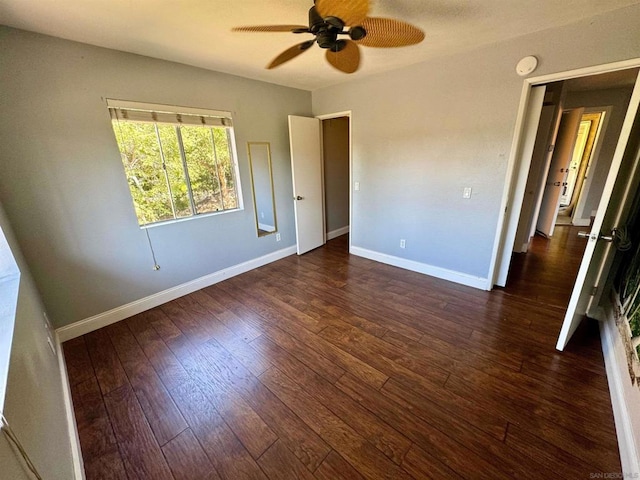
point(114, 315)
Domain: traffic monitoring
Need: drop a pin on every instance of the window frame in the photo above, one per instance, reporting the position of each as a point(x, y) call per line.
point(176, 109)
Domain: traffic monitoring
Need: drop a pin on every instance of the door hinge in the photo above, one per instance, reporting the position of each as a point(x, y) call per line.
point(550, 148)
point(594, 291)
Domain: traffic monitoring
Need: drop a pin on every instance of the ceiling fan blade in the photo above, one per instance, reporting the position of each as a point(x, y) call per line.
point(270, 28)
point(387, 32)
point(290, 53)
point(351, 12)
point(346, 60)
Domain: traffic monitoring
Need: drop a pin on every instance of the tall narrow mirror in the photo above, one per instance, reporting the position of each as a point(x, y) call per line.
point(262, 183)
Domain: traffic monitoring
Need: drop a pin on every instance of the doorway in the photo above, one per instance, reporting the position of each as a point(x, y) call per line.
point(335, 157)
point(594, 263)
point(321, 176)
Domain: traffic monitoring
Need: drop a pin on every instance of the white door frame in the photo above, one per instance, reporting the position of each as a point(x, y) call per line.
point(514, 187)
point(329, 116)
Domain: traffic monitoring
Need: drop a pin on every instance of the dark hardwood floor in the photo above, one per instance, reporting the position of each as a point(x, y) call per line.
point(330, 366)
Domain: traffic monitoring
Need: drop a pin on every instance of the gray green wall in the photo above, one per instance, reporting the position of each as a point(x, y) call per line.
point(34, 405)
point(422, 133)
point(63, 186)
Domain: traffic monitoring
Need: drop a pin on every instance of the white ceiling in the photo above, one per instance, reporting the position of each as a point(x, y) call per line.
point(198, 32)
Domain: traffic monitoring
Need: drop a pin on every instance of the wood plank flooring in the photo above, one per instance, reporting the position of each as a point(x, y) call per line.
point(330, 366)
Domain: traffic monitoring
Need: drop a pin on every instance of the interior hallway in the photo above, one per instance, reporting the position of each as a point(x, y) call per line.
point(331, 366)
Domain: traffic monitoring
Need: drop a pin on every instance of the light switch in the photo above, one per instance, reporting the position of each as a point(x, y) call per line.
point(356, 186)
point(466, 193)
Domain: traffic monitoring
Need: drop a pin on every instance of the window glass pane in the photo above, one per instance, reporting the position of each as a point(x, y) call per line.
point(175, 170)
point(142, 162)
point(205, 185)
point(226, 167)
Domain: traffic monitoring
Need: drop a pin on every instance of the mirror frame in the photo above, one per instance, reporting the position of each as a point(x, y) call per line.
point(267, 145)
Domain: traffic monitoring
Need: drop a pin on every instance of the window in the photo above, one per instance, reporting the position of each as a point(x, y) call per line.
point(179, 161)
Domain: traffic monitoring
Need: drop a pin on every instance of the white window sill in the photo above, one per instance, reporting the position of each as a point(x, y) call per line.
point(186, 219)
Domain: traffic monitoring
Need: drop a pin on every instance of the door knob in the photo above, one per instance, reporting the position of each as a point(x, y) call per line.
point(606, 238)
point(299, 198)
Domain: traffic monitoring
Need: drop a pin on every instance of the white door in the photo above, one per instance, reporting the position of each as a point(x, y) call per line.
point(613, 210)
point(540, 160)
point(306, 169)
point(525, 152)
point(562, 153)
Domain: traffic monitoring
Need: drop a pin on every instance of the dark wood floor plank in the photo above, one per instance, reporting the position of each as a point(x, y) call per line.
point(279, 463)
point(160, 356)
point(97, 440)
point(77, 360)
point(333, 366)
point(369, 354)
point(140, 451)
point(543, 420)
point(370, 462)
point(230, 458)
point(196, 332)
point(160, 410)
point(558, 412)
point(334, 467)
point(104, 359)
point(310, 357)
point(466, 433)
point(562, 462)
point(235, 344)
point(252, 431)
point(232, 321)
point(298, 437)
point(273, 308)
point(187, 460)
point(381, 435)
point(456, 456)
point(341, 358)
point(421, 464)
point(424, 402)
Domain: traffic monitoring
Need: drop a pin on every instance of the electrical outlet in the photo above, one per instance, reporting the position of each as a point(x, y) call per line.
point(403, 243)
point(50, 333)
point(466, 193)
point(278, 237)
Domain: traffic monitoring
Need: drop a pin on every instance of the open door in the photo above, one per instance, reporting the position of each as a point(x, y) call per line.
point(306, 170)
point(562, 153)
point(612, 212)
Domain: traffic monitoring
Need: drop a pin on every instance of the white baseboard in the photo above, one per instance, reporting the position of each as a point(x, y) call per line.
point(581, 222)
point(337, 232)
point(443, 273)
point(266, 227)
point(74, 438)
point(95, 322)
point(624, 429)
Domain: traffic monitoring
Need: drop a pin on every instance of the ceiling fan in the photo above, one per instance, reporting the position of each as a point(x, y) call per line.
point(331, 19)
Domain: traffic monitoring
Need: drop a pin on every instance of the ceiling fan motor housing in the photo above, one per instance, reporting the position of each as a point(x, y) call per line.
point(327, 30)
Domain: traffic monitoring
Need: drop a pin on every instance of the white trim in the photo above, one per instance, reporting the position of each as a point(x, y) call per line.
point(626, 443)
point(581, 222)
point(95, 322)
point(337, 232)
point(499, 255)
point(267, 228)
point(72, 427)
point(431, 270)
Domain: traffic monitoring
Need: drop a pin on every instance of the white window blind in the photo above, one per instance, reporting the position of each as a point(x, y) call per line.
point(141, 112)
